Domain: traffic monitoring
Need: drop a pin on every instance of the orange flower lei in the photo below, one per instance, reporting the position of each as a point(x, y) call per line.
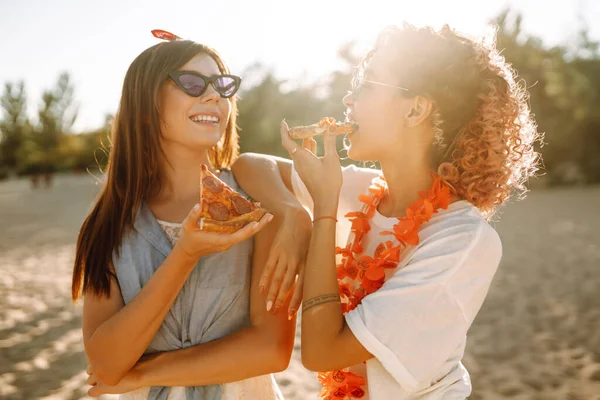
point(369, 271)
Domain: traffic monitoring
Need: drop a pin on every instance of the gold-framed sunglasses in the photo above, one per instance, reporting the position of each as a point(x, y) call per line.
point(359, 80)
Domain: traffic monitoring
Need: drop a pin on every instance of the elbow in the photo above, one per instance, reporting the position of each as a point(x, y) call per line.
point(282, 357)
point(104, 367)
point(111, 379)
point(311, 364)
point(107, 374)
point(314, 359)
point(279, 355)
point(281, 361)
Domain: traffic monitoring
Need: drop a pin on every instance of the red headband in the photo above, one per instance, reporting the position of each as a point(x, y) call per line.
point(160, 34)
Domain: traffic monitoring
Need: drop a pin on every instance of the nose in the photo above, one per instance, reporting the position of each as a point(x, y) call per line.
point(348, 100)
point(210, 94)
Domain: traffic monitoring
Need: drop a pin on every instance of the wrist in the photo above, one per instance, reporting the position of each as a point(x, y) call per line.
point(136, 376)
point(326, 208)
point(140, 372)
point(295, 214)
point(183, 256)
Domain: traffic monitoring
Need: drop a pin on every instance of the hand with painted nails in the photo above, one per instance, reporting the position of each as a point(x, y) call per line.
point(285, 265)
point(196, 243)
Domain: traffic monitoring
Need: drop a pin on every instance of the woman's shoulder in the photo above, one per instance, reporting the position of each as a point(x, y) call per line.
point(461, 229)
point(457, 249)
point(226, 175)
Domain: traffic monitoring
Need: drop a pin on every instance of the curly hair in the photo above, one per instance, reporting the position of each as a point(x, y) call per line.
point(484, 131)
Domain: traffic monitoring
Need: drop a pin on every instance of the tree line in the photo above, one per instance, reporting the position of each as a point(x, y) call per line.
point(563, 82)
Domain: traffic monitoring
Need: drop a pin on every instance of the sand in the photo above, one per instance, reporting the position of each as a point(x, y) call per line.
point(536, 337)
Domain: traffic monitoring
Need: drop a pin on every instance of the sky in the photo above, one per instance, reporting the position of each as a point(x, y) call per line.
point(298, 40)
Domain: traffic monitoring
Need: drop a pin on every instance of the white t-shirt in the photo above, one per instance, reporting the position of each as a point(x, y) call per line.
point(415, 325)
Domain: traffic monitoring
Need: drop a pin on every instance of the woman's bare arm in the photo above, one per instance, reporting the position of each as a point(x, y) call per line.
point(116, 335)
point(268, 180)
point(264, 347)
point(327, 341)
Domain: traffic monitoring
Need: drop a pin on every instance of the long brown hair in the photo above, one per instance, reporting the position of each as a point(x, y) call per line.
point(132, 174)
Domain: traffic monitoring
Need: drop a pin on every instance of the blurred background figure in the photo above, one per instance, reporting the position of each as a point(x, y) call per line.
point(538, 333)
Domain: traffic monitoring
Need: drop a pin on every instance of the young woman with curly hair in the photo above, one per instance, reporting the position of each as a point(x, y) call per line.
point(387, 311)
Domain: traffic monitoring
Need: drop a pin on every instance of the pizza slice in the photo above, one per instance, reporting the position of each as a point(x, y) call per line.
point(324, 125)
point(223, 209)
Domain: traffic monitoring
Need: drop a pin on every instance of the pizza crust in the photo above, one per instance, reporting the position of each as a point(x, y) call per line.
point(233, 224)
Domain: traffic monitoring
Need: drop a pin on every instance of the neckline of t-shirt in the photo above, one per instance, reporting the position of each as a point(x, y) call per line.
point(388, 223)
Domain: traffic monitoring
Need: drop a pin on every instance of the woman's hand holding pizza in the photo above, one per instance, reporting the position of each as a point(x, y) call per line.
point(321, 175)
point(196, 243)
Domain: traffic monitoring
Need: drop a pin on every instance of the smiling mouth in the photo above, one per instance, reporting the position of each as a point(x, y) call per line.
point(205, 119)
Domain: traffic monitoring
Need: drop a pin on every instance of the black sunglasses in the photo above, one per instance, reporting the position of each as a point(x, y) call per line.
point(194, 84)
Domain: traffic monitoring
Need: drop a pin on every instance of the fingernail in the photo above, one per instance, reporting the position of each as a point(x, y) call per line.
point(196, 207)
point(291, 314)
point(261, 288)
point(269, 305)
point(270, 218)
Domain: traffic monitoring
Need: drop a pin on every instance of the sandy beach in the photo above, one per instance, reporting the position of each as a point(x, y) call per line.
point(537, 336)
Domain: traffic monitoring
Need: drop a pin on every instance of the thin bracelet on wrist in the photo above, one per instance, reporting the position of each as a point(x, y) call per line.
point(325, 217)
